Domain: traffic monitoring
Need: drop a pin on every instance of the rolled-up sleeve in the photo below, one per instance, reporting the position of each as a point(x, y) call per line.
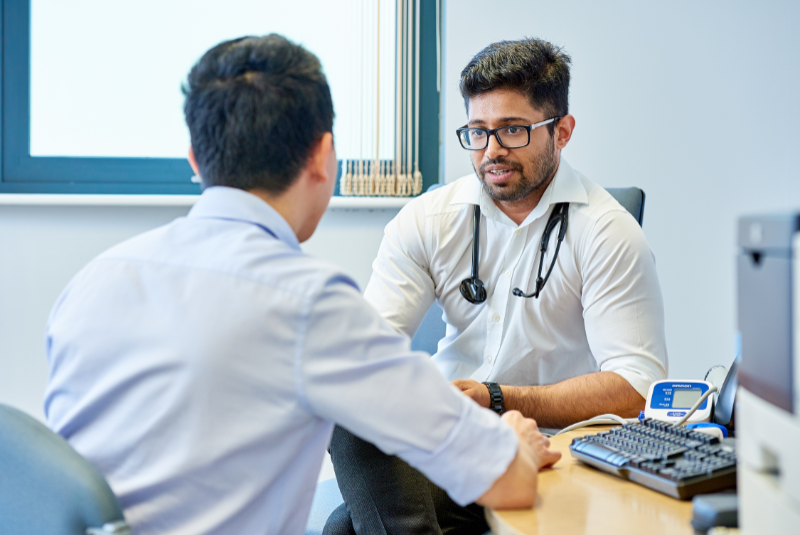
point(622, 302)
point(354, 369)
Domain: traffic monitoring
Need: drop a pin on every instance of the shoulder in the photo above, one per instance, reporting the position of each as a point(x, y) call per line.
point(602, 213)
point(601, 204)
point(603, 224)
point(244, 252)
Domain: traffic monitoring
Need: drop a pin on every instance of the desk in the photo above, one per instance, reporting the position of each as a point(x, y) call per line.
point(575, 499)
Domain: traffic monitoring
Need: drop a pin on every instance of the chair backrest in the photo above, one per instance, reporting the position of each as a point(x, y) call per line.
point(632, 199)
point(433, 327)
point(46, 487)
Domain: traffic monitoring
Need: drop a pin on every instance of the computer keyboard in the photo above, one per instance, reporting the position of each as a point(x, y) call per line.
point(667, 458)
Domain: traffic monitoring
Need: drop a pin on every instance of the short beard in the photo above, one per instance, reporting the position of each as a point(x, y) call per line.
point(541, 169)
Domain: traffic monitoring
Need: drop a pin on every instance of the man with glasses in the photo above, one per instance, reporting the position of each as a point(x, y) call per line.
point(561, 335)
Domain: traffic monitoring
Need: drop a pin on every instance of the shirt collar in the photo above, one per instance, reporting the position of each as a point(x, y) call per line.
point(566, 186)
point(233, 204)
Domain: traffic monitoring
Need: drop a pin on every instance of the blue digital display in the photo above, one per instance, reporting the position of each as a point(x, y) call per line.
point(664, 395)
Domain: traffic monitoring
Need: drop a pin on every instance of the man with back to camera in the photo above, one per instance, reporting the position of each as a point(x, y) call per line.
point(200, 365)
point(589, 342)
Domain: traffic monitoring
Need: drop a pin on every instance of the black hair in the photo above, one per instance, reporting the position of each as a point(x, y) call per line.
point(255, 108)
point(532, 67)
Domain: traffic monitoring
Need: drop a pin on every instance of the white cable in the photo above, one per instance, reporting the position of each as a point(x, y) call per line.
point(696, 405)
point(603, 419)
point(409, 93)
point(402, 96)
point(417, 189)
point(362, 126)
point(374, 174)
point(438, 49)
point(398, 106)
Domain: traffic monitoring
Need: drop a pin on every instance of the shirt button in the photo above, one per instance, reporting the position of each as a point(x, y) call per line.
point(488, 360)
point(496, 317)
point(508, 273)
point(517, 232)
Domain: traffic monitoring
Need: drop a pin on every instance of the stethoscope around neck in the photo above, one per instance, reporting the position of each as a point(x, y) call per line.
point(473, 289)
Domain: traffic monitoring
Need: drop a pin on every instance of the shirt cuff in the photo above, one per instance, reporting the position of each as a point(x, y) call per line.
point(477, 451)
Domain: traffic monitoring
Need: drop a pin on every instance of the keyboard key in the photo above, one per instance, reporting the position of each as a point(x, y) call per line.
point(598, 451)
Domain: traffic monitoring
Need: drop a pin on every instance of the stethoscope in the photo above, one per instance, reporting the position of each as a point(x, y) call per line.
point(473, 289)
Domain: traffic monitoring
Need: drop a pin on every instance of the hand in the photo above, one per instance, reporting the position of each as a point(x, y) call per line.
point(475, 390)
point(516, 488)
point(529, 434)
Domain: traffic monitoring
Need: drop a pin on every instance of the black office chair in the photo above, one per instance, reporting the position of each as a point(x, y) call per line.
point(632, 199)
point(46, 488)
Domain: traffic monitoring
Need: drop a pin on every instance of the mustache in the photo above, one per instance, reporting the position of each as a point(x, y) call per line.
point(516, 166)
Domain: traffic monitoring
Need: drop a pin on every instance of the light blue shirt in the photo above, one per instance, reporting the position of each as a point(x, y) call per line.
point(201, 366)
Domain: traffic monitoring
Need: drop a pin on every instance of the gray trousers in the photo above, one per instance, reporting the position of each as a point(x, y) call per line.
point(383, 495)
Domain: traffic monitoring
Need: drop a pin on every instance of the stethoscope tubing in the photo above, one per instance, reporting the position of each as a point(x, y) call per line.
point(559, 216)
point(476, 235)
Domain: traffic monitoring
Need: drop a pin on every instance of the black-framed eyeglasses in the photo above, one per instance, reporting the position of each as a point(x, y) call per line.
point(513, 136)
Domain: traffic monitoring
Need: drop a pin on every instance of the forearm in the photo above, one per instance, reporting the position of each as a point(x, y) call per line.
point(576, 399)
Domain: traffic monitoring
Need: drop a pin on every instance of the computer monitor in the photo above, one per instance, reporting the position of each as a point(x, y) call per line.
point(768, 398)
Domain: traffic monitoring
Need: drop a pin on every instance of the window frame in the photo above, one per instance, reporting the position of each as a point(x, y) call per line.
point(22, 173)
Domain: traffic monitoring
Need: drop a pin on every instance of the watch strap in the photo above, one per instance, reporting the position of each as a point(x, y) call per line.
point(496, 402)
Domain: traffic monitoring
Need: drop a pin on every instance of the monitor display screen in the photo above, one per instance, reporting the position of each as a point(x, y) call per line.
point(685, 399)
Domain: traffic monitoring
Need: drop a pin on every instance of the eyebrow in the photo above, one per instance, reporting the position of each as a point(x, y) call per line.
point(522, 120)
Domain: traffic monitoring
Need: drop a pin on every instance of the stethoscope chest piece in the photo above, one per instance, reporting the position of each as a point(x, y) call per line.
point(473, 291)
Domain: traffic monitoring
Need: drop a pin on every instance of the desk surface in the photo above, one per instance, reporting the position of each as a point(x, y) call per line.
point(575, 498)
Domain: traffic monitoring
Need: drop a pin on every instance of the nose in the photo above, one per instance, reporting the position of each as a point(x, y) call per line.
point(494, 148)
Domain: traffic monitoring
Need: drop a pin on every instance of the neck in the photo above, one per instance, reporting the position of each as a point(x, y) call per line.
point(291, 207)
point(520, 209)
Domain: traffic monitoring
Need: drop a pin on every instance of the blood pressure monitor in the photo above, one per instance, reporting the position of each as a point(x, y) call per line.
point(670, 400)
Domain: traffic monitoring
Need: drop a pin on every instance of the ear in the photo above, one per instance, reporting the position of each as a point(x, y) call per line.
point(564, 129)
point(193, 161)
point(320, 168)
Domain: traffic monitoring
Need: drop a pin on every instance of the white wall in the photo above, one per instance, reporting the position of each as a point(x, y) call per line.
point(697, 103)
point(42, 247)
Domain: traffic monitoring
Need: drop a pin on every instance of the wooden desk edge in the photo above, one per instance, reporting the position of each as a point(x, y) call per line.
point(500, 521)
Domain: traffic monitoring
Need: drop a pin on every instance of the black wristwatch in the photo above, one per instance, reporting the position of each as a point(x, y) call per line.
point(496, 398)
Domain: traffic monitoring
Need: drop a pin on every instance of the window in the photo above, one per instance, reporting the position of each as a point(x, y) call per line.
point(91, 89)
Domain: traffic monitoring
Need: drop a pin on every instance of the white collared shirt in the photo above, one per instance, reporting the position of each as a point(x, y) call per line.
point(201, 366)
point(601, 309)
